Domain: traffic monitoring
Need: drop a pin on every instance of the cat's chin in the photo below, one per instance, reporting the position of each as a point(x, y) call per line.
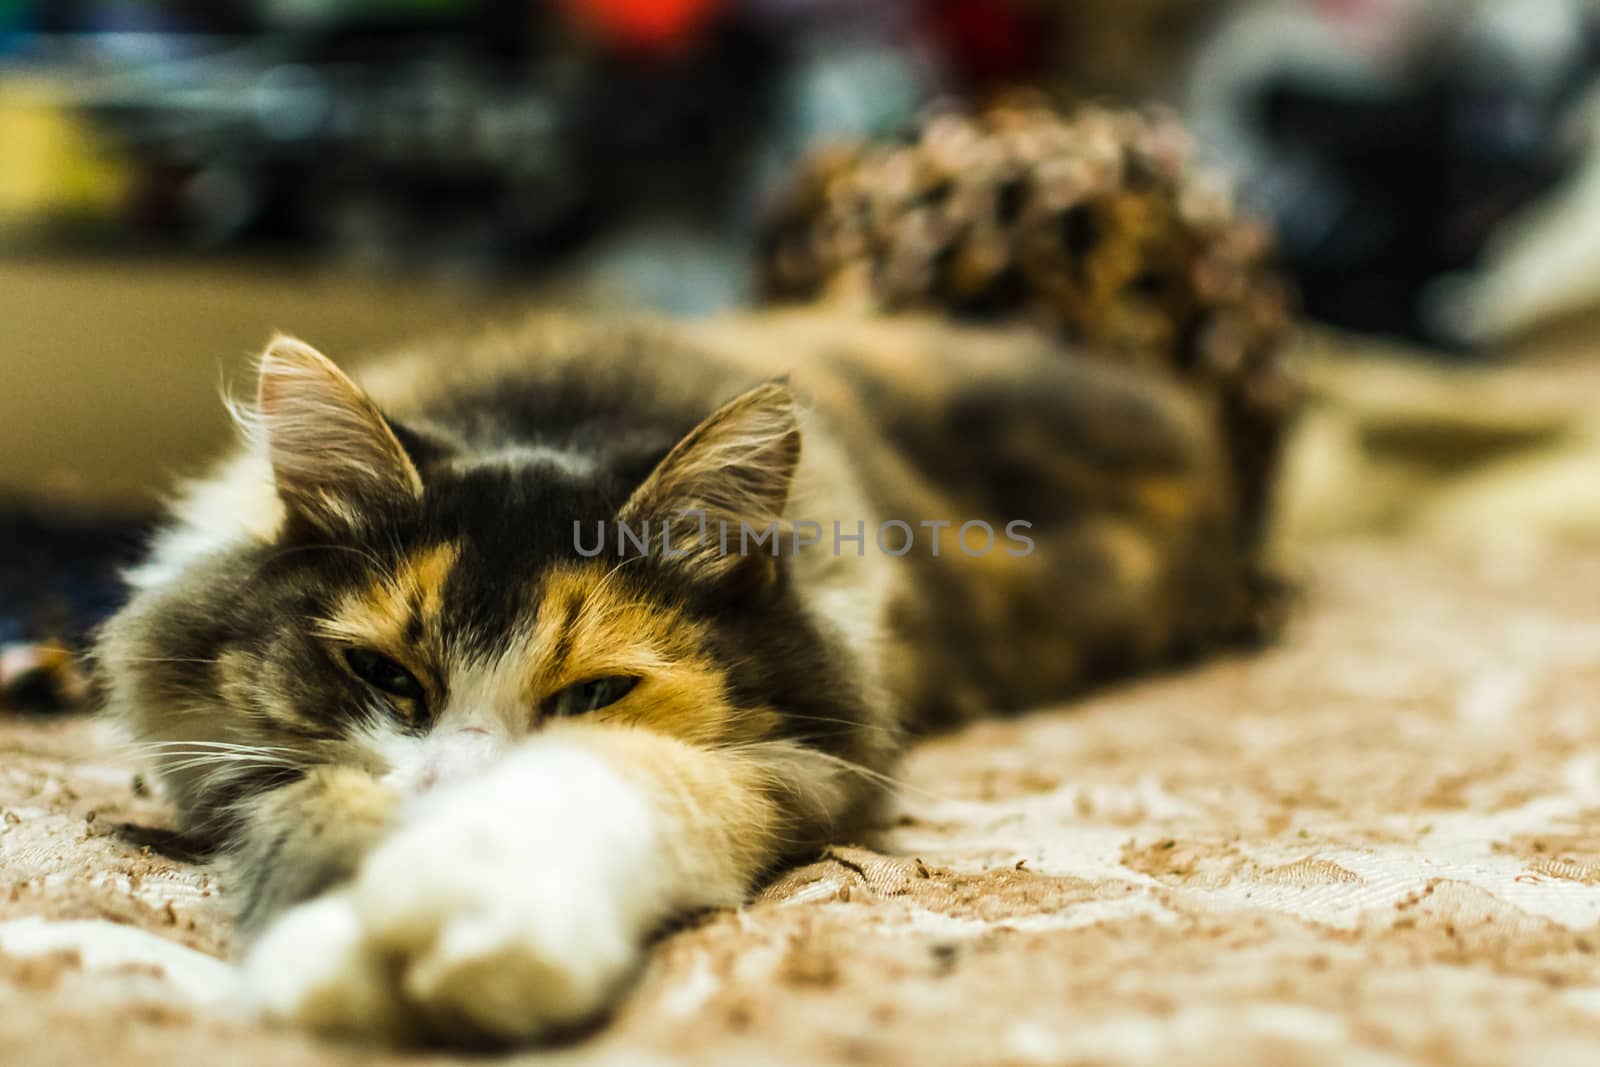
point(512, 909)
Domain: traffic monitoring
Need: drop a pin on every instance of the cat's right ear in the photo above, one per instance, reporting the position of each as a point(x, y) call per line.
point(335, 459)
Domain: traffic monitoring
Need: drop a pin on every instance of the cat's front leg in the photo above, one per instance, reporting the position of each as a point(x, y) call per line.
point(520, 904)
point(294, 842)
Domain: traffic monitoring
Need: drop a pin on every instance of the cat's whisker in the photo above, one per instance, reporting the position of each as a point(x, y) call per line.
point(850, 725)
point(203, 754)
point(844, 764)
point(220, 758)
point(610, 574)
point(282, 755)
point(604, 584)
point(180, 756)
point(174, 760)
point(181, 741)
point(197, 748)
point(149, 746)
point(220, 765)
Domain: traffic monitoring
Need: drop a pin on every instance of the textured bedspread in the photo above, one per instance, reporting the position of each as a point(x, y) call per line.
point(1379, 842)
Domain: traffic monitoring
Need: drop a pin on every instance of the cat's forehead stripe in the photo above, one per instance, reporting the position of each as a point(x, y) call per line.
point(591, 620)
point(425, 573)
point(566, 631)
point(397, 606)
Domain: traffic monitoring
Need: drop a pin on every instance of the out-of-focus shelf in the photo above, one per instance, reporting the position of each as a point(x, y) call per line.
point(110, 369)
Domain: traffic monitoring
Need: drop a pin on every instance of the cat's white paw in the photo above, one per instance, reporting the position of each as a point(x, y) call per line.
point(315, 967)
point(512, 907)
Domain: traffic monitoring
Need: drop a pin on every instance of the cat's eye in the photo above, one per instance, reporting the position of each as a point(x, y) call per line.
point(383, 673)
point(589, 696)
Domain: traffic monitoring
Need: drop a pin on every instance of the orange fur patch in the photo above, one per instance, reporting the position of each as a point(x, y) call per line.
point(590, 627)
point(379, 615)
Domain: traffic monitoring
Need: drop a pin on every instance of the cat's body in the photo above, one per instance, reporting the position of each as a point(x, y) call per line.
point(468, 743)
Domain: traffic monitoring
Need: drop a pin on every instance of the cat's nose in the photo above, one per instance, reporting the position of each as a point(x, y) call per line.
point(457, 754)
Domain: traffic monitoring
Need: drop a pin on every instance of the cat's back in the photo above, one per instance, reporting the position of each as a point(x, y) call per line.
point(909, 393)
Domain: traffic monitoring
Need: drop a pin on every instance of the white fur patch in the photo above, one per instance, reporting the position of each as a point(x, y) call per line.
point(567, 461)
point(513, 905)
point(236, 505)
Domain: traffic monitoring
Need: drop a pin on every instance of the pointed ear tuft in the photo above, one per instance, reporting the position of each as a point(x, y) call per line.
point(736, 466)
point(335, 459)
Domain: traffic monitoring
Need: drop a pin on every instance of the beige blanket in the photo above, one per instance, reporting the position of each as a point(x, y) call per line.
point(1377, 843)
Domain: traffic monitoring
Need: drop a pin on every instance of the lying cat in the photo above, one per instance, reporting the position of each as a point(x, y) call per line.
point(484, 670)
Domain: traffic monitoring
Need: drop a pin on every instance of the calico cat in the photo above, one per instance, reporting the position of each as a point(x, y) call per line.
point(482, 667)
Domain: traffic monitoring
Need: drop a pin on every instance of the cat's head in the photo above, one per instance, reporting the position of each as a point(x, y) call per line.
point(422, 605)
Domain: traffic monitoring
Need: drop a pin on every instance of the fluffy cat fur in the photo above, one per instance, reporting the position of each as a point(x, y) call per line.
point(461, 772)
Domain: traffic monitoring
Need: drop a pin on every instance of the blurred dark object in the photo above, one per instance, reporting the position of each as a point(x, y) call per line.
point(985, 41)
point(473, 137)
point(59, 578)
point(1095, 224)
point(1389, 141)
point(42, 679)
point(478, 133)
point(649, 25)
point(1131, 49)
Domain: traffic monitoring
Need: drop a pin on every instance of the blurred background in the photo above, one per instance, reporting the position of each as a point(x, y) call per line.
point(180, 177)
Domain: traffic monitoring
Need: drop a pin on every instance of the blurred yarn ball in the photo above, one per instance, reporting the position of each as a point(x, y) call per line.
point(1098, 225)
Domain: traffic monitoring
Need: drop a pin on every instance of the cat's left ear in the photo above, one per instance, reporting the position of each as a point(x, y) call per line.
point(335, 459)
point(735, 467)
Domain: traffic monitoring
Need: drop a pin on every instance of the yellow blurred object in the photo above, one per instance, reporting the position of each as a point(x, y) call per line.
point(1474, 457)
point(51, 166)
